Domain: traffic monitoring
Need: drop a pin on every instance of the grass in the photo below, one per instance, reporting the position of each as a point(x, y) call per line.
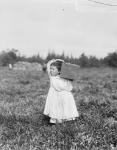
point(24, 127)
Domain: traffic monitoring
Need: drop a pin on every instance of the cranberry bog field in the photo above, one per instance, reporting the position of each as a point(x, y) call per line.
point(24, 127)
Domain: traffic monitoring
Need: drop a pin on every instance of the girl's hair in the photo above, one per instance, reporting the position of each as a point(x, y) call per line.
point(58, 64)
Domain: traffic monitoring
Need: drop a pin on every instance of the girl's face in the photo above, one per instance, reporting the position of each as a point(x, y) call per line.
point(54, 70)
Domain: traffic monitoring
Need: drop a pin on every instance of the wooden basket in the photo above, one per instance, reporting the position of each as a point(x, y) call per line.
point(69, 71)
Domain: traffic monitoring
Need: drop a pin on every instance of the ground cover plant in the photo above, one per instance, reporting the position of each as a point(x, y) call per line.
point(24, 127)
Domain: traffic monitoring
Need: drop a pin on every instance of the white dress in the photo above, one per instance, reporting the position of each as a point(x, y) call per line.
point(60, 104)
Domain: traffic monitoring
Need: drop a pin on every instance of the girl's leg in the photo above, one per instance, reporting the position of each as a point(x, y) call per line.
point(52, 120)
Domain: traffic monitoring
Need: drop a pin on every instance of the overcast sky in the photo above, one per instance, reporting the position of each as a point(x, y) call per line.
point(72, 26)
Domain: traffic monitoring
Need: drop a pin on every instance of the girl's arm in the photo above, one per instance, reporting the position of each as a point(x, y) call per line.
point(48, 66)
point(61, 84)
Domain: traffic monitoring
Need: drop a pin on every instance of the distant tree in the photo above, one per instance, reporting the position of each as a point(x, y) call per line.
point(111, 59)
point(35, 58)
point(51, 55)
point(83, 60)
point(12, 54)
point(93, 62)
point(104, 61)
point(63, 55)
point(8, 57)
point(21, 58)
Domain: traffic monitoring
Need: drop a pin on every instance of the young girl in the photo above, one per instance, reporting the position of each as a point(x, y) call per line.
point(60, 105)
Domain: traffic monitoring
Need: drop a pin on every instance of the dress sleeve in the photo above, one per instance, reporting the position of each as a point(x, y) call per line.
point(61, 84)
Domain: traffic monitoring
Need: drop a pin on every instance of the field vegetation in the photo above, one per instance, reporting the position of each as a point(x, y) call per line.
point(24, 127)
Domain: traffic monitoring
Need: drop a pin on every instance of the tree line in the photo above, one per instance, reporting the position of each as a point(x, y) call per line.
point(12, 56)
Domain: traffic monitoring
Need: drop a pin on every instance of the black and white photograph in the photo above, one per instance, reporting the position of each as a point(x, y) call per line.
point(58, 74)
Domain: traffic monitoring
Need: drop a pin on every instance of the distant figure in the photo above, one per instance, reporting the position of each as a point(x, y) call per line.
point(10, 66)
point(60, 104)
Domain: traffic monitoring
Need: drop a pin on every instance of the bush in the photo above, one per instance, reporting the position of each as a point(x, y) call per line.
point(111, 59)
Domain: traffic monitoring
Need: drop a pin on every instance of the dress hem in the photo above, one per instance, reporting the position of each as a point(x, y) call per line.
point(56, 120)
